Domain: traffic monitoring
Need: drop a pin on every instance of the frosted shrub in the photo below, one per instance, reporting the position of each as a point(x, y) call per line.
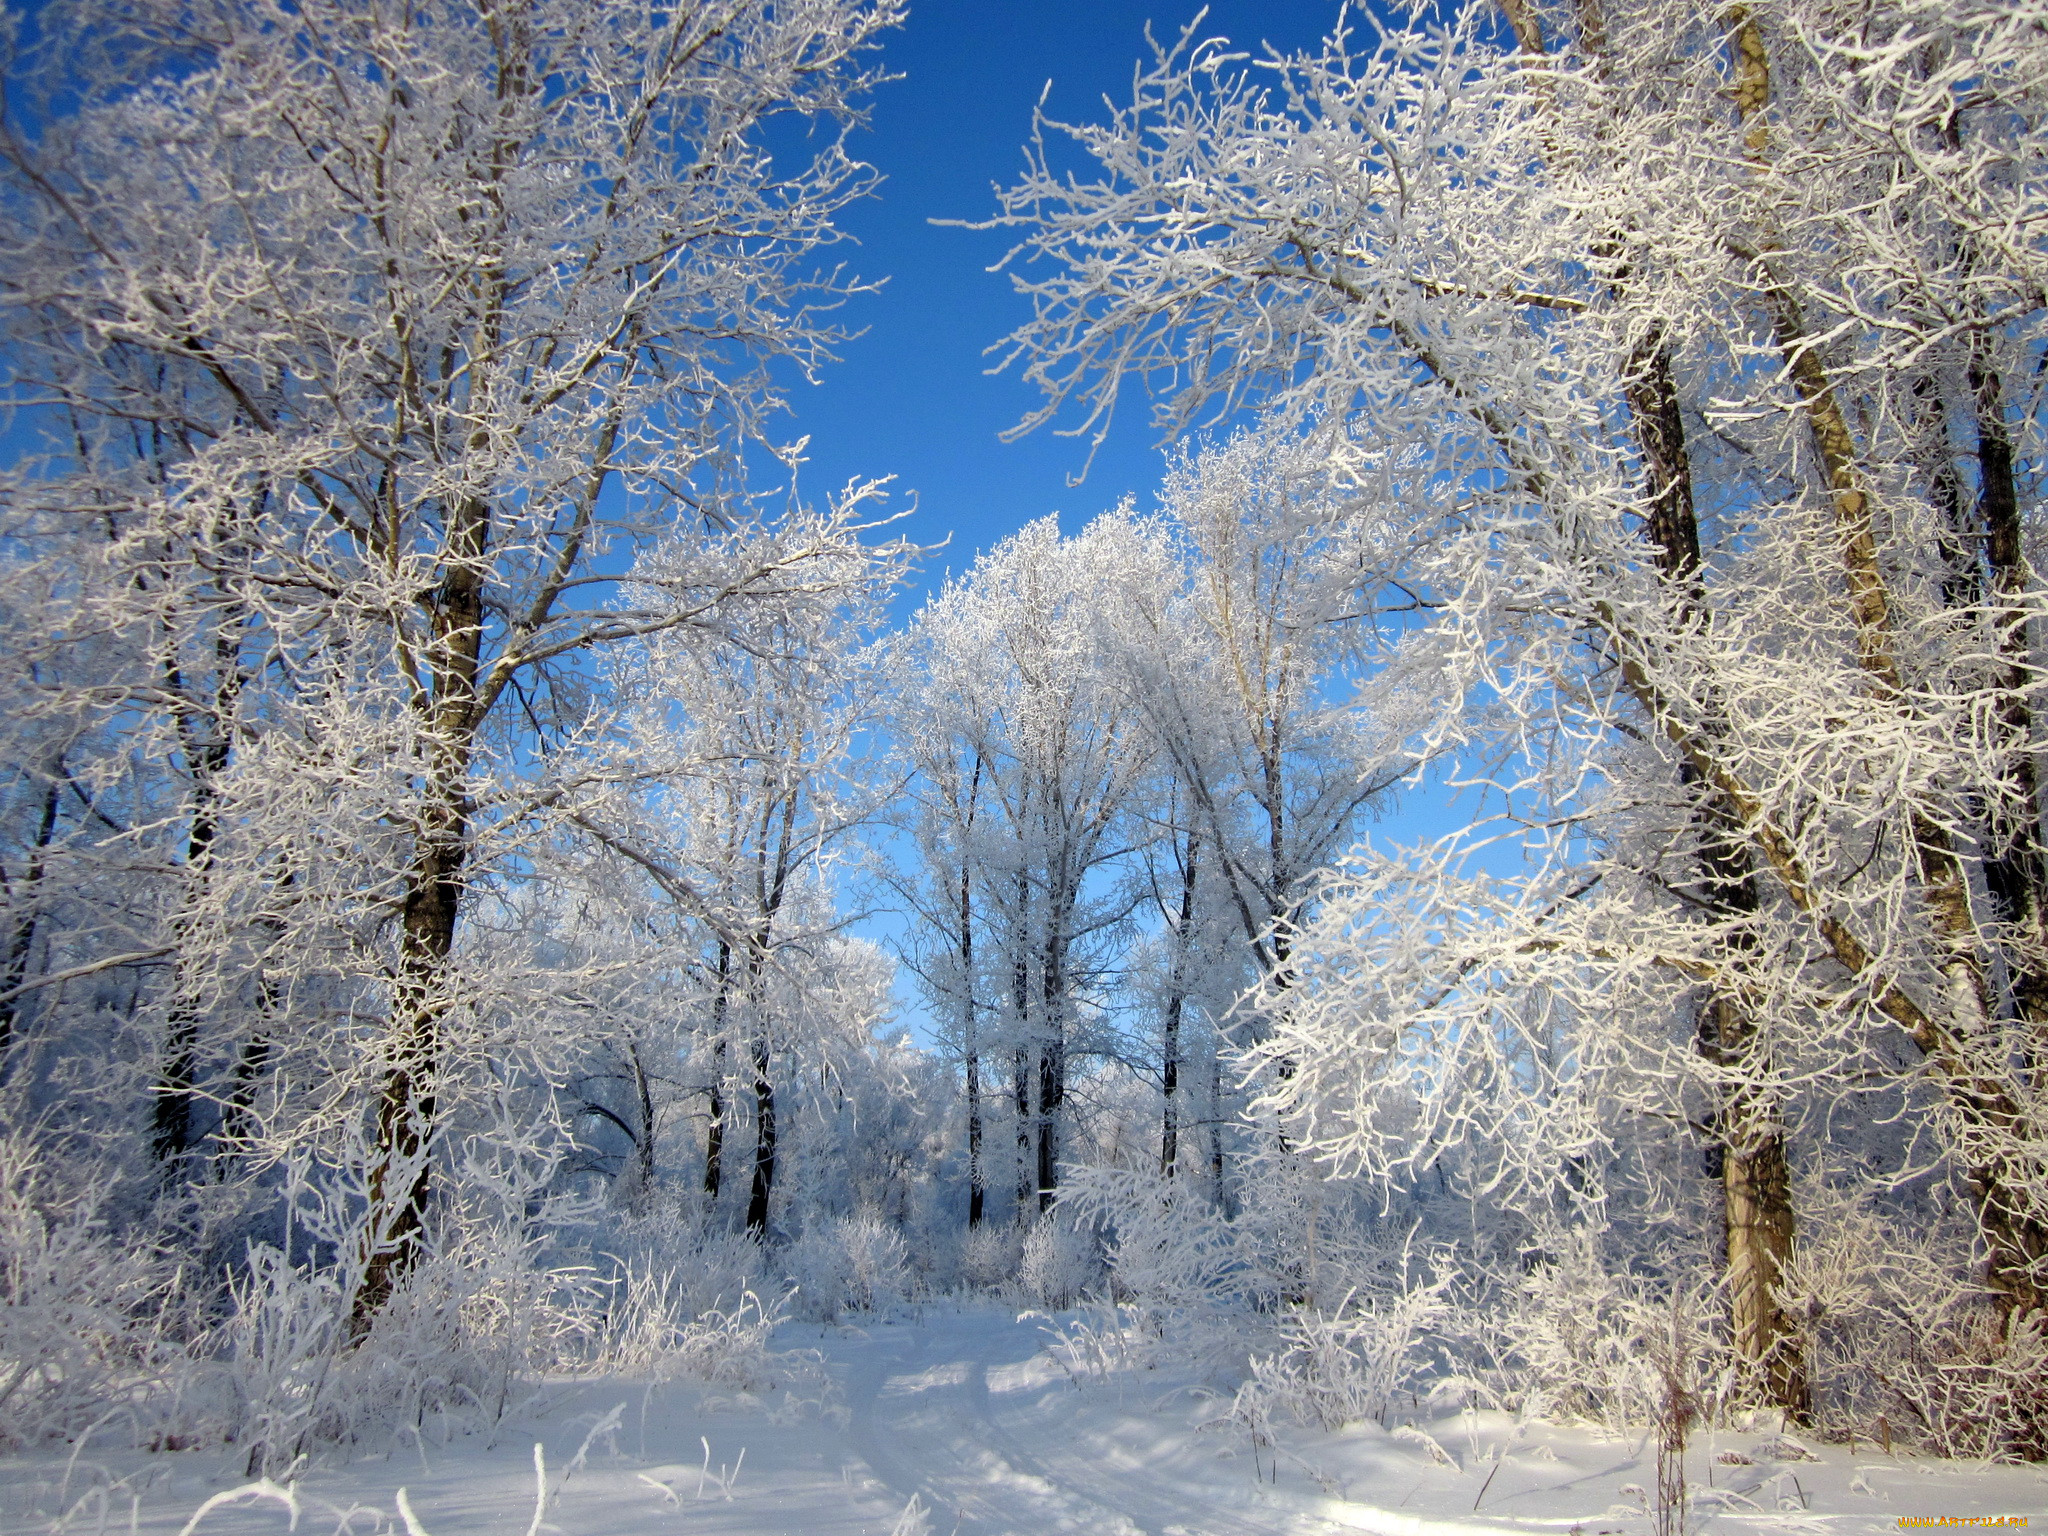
point(652, 1333)
point(989, 1258)
point(1104, 1338)
point(465, 1333)
point(815, 1269)
point(1589, 1342)
point(278, 1345)
point(877, 1262)
point(1350, 1364)
point(704, 1268)
point(1058, 1264)
point(80, 1314)
point(1167, 1249)
point(647, 1315)
point(850, 1263)
point(461, 1341)
point(1895, 1328)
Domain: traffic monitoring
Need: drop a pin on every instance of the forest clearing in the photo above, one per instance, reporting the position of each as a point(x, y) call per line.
point(1471, 954)
point(973, 1419)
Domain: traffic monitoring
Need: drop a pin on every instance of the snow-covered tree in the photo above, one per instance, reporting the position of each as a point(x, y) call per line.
point(1029, 757)
point(1692, 341)
point(379, 342)
point(753, 795)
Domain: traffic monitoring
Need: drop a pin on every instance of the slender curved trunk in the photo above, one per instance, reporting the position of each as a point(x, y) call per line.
point(400, 1181)
point(643, 1093)
point(1758, 1222)
point(27, 893)
point(176, 1091)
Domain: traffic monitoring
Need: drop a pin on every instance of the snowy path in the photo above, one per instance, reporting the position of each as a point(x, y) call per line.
point(964, 1410)
point(955, 1412)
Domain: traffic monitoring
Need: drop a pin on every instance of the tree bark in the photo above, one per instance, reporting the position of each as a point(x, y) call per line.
point(714, 1132)
point(1756, 1187)
point(27, 893)
point(764, 1145)
point(2015, 870)
point(1021, 1082)
point(1169, 1072)
point(206, 758)
point(1995, 1125)
point(643, 1093)
point(1757, 1211)
point(1052, 1095)
point(971, 1047)
point(400, 1155)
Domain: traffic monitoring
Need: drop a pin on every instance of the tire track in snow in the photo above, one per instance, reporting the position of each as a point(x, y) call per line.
point(912, 1421)
point(925, 1422)
point(1152, 1502)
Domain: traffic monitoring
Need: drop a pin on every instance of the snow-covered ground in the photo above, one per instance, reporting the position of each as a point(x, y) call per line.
point(964, 1411)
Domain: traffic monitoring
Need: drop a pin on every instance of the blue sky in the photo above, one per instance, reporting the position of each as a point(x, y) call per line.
point(910, 396)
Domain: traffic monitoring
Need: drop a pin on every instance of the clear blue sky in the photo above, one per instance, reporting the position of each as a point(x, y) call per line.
point(910, 396)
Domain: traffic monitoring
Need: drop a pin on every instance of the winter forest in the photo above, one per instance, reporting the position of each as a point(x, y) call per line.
point(1501, 911)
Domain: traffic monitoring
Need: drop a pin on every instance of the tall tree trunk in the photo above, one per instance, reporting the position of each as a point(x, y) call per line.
point(407, 1106)
point(764, 1144)
point(977, 1192)
point(1996, 1127)
point(206, 744)
point(971, 1047)
point(1169, 1068)
point(176, 1089)
point(237, 1124)
point(1756, 1187)
point(237, 1129)
point(1052, 1059)
point(400, 1179)
point(2015, 870)
point(1021, 1084)
point(714, 1131)
point(1757, 1211)
point(643, 1093)
point(1219, 1189)
point(1052, 1093)
point(1020, 1001)
point(27, 895)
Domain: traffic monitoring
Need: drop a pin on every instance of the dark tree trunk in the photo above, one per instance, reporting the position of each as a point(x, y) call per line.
point(27, 892)
point(237, 1125)
point(176, 1093)
point(714, 1132)
point(409, 1103)
point(1052, 1093)
point(764, 1145)
point(1020, 1001)
point(977, 1194)
point(643, 1092)
point(2013, 869)
point(1021, 1082)
point(1169, 1054)
point(1052, 1059)
point(401, 1172)
point(1219, 1190)
point(1757, 1214)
